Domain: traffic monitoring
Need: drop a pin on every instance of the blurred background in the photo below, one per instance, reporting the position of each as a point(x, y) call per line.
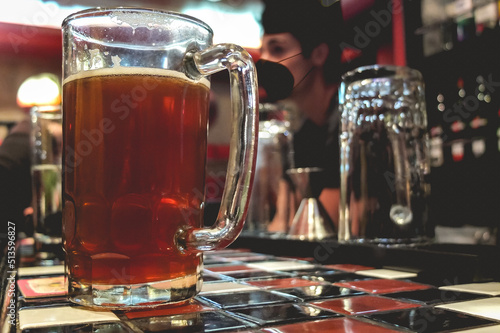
point(455, 43)
point(30, 41)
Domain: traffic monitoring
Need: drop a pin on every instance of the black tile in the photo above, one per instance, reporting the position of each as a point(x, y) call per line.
point(245, 299)
point(254, 259)
point(244, 254)
point(214, 261)
point(319, 292)
point(42, 302)
point(213, 321)
point(84, 328)
point(210, 277)
point(237, 254)
point(429, 319)
point(435, 296)
point(283, 313)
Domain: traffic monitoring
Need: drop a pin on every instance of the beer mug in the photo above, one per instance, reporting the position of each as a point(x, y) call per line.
point(385, 161)
point(135, 109)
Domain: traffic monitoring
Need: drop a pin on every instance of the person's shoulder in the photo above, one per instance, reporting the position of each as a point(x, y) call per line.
point(22, 127)
point(15, 148)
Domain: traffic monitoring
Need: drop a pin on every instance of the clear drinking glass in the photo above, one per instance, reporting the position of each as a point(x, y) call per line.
point(46, 147)
point(385, 162)
point(135, 106)
point(269, 210)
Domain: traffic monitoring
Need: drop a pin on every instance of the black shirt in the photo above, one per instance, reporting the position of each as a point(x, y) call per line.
point(318, 146)
point(15, 175)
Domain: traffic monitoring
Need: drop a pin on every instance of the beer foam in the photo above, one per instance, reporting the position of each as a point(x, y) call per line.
point(143, 71)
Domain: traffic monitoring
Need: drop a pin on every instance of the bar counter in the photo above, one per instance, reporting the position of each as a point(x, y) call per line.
point(265, 284)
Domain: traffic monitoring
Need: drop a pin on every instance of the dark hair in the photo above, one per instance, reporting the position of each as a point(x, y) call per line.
point(312, 22)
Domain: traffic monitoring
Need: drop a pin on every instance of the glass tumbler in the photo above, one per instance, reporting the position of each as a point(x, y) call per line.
point(46, 159)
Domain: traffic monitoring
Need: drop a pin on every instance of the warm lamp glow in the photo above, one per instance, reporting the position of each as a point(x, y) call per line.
point(42, 89)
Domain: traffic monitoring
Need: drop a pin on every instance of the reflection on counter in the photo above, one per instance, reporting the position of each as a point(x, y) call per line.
point(289, 294)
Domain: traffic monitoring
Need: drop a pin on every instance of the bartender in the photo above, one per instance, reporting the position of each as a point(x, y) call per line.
point(300, 63)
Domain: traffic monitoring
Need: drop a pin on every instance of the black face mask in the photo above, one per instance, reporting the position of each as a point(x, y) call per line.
point(275, 78)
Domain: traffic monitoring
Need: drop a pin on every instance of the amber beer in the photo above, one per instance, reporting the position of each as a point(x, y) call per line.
point(135, 145)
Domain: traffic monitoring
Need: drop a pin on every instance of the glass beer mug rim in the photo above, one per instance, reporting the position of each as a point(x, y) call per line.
point(381, 71)
point(157, 14)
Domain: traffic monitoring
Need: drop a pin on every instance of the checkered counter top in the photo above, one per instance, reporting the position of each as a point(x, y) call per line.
point(250, 292)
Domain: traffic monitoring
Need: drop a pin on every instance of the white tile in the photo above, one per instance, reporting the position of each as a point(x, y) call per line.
point(281, 265)
point(487, 288)
point(487, 307)
point(63, 315)
point(43, 287)
point(224, 287)
point(40, 270)
point(386, 274)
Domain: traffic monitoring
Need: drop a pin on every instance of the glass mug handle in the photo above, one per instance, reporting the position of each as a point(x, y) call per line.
point(242, 155)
